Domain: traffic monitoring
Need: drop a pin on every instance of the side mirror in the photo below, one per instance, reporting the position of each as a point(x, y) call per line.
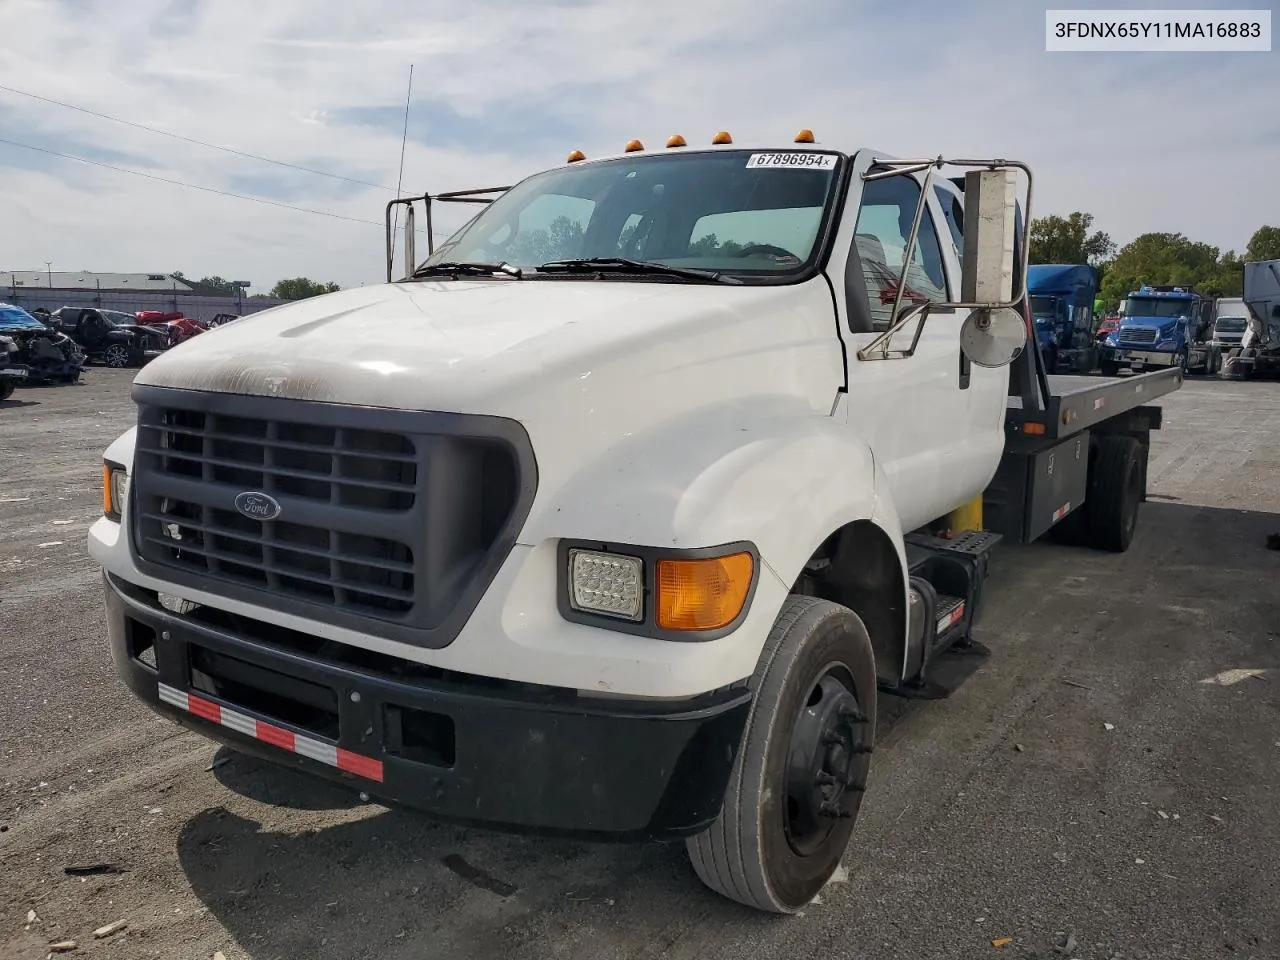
point(992, 336)
point(990, 218)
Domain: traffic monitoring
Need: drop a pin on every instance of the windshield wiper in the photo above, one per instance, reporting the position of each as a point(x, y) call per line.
point(624, 265)
point(456, 268)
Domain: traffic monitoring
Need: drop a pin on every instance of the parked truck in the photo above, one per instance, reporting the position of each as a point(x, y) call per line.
point(1062, 302)
point(1230, 320)
point(615, 515)
point(1163, 326)
point(1258, 354)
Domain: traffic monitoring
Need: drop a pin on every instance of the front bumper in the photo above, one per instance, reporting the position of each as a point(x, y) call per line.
point(13, 373)
point(500, 754)
point(1135, 357)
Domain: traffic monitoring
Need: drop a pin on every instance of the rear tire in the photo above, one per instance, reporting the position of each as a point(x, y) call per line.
point(1109, 368)
point(798, 781)
point(1115, 493)
point(6, 388)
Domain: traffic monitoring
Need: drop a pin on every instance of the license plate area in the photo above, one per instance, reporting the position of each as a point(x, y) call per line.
point(267, 693)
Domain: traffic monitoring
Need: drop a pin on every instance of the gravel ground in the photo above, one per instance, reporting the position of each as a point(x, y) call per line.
point(1084, 783)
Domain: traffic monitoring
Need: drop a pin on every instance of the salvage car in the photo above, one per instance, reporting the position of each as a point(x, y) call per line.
point(42, 352)
point(110, 337)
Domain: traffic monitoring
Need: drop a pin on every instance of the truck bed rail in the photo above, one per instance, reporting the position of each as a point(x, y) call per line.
point(1079, 402)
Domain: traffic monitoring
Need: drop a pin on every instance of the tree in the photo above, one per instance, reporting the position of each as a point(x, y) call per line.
point(1164, 258)
point(300, 288)
point(1264, 244)
point(218, 285)
point(1057, 239)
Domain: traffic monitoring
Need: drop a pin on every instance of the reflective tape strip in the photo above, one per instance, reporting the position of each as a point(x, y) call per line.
point(952, 618)
point(1061, 511)
point(242, 723)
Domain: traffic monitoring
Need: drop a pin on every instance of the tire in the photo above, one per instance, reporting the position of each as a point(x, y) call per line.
point(768, 849)
point(6, 388)
point(117, 355)
point(1115, 493)
point(1109, 368)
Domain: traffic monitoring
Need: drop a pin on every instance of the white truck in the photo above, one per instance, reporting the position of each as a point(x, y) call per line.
point(612, 517)
point(1230, 321)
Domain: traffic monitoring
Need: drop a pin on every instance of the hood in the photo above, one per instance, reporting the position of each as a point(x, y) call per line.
point(461, 346)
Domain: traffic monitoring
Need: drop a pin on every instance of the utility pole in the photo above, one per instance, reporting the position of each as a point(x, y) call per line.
point(48, 265)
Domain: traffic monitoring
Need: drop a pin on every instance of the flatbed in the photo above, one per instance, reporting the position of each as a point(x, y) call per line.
point(1079, 402)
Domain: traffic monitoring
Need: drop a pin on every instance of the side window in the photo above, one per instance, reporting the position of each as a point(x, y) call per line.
point(550, 228)
point(953, 213)
point(884, 224)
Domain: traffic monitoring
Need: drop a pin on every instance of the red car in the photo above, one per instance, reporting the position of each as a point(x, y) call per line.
point(1108, 325)
point(180, 327)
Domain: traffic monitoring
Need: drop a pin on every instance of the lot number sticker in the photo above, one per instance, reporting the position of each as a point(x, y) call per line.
point(791, 161)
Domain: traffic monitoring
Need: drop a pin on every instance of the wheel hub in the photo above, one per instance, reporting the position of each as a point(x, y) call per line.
point(826, 768)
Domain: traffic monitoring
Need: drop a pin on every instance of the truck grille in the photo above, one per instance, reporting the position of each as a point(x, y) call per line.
point(1137, 335)
point(378, 520)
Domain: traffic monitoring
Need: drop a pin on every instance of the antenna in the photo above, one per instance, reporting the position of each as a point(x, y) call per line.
point(404, 139)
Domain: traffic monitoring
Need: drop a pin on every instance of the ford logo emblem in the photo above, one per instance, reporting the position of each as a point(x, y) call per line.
point(257, 506)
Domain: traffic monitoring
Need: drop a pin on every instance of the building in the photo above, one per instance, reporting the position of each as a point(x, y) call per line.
point(127, 292)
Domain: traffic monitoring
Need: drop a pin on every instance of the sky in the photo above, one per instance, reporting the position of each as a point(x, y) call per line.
point(1175, 142)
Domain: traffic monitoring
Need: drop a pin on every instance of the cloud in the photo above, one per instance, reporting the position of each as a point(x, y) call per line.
point(502, 89)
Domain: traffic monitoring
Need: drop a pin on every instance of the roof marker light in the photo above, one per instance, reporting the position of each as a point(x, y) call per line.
point(576, 155)
point(722, 137)
point(804, 136)
point(675, 140)
point(634, 145)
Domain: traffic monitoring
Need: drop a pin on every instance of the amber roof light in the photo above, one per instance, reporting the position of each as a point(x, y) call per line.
point(676, 141)
point(634, 145)
point(722, 137)
point(576, 155)
point(804, 136)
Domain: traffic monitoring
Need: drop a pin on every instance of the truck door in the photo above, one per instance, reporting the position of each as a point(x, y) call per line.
point(934, 422)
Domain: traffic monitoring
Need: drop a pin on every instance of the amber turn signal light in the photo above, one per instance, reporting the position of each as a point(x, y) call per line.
point(705, 594)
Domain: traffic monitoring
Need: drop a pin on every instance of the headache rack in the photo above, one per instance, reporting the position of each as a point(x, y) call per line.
point(485, 195)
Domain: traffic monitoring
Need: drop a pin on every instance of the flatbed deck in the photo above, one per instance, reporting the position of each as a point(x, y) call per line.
point(1079, 402)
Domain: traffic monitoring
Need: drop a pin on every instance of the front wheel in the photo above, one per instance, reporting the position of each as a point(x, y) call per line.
point(117, 355)
point(798, 781)
point(6, 388)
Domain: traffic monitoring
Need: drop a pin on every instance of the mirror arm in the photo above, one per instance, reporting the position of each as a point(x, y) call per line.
point(881, 343)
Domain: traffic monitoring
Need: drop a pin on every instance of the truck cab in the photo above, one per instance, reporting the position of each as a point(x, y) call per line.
point(1162, 326)
point(612, 516)
point(1062, 299)
point(1230, 321)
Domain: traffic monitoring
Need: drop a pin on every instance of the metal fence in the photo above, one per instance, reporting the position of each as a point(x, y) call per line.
point(191, 305)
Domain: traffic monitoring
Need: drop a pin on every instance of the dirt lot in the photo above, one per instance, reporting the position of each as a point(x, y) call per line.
point(1086, 781)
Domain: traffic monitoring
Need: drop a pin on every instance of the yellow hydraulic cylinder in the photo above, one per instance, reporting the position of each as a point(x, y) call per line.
point(967, 517)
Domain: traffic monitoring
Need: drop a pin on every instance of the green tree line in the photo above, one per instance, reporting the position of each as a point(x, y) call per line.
point(1155, 258)
point(294, 288)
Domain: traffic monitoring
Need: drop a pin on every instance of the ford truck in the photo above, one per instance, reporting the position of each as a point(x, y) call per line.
point(615, 515)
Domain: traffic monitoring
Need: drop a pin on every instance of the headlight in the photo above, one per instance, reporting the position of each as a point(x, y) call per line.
point(606, 583)
point(115, 490)
point(655, 595)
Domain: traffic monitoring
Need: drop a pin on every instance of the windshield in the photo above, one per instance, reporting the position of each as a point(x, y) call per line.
point(1231, 324)
point(1043, 306)
point(736, 212)
point(115, 317)
point(1157, 307)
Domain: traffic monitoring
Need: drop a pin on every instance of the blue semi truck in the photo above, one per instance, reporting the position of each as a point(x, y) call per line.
point(1163, 326)
point(1062, 296)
